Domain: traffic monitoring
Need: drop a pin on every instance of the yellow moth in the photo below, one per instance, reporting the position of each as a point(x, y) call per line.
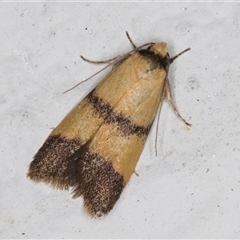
point(96, 147)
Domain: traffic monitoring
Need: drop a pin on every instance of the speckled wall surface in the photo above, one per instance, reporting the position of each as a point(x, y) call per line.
point(192, 188)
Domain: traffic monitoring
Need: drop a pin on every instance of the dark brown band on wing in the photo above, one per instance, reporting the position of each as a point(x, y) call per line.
point(53, 164)
point(98, 183)
point(155, 60)
point(125, 125)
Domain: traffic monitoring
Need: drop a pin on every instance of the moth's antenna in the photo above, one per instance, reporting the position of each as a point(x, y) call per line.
point(129, 38)
point(87, 78)
point(173, 58)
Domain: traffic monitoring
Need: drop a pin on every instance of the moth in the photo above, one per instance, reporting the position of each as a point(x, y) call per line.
point(96, 147)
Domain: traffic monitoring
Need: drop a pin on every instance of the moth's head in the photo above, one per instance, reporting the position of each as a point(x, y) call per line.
point(160, 49)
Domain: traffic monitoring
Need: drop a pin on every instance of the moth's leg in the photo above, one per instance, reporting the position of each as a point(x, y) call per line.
point(120, 58)
point(117, 60)
point(168, 95)
point(136, 173)
point(112, 60)
point(158, 120)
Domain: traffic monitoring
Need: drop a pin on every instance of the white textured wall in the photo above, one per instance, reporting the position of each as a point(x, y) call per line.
point(192, 189)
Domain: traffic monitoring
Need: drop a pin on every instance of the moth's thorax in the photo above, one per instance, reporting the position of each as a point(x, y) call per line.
point(160, 49)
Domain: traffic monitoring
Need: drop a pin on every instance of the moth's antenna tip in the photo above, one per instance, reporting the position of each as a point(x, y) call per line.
point(179, 54)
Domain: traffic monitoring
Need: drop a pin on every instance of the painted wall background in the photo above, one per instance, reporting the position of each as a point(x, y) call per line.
point(192, 188)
